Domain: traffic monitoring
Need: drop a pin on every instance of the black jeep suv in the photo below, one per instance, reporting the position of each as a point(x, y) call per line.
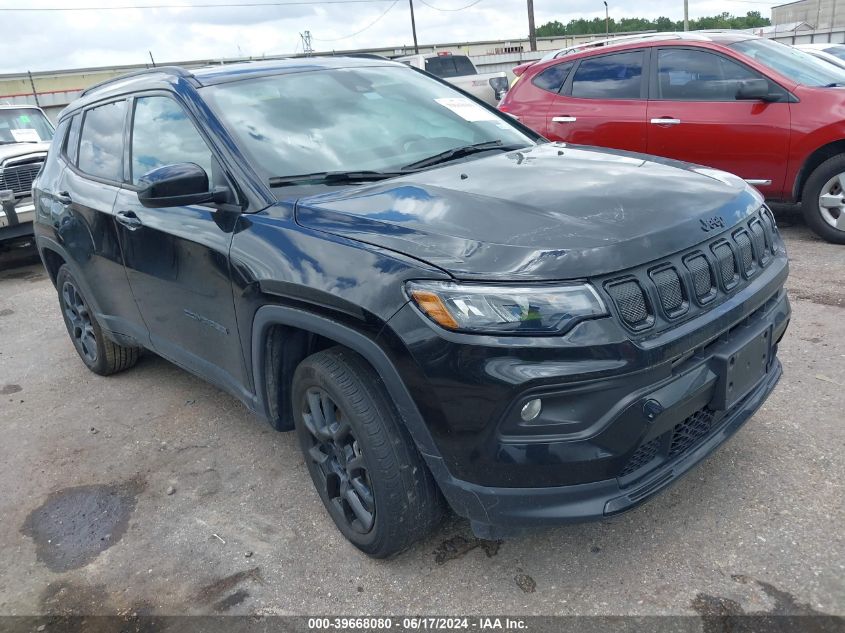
point(440, 302)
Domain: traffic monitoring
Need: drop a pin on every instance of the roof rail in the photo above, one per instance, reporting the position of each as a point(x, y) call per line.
point(627, 39)
point(170, 70)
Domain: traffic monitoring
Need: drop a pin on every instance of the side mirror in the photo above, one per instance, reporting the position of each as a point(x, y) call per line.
point(753, 90)
point(178, 186)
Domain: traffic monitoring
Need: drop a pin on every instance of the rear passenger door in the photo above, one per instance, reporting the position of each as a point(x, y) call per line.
point(603, 102)
point(177, 258)
point(83, 214)
point(694, 116)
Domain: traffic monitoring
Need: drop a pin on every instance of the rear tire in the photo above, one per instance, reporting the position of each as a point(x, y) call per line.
point(823, 200)
point(365, 466)
point(100, 355)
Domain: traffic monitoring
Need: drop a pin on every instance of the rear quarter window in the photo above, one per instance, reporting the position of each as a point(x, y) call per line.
point(552, 78)
point(71, 146)
point(101, 141)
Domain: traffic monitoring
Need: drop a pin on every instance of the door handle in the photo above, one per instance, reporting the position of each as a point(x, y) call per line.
point(128, 219)
point(666, 121)
point(564, 119)
point(63, 197)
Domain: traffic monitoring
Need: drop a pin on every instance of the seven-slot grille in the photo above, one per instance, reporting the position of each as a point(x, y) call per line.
point(675, 287)
point(19, 178)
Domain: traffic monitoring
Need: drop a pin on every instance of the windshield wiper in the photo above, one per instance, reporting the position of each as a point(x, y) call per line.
point(333, 177)
point(460, 152)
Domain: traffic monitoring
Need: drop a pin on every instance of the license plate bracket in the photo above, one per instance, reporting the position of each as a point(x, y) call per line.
point(741, 365)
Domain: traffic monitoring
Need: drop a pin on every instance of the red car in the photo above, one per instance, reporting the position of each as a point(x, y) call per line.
point(767, 112)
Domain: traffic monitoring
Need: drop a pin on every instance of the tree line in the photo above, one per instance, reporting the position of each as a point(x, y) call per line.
point(596, 26)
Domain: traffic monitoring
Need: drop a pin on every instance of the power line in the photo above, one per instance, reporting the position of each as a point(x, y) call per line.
point(189, 6)
point(346, 37)
point(431, 6)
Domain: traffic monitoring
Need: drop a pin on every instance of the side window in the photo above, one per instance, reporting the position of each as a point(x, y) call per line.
point(553, 77)
point(101, 141)
point(162, 134)
point(617, 76)
point(71, 147)
point(687, 75)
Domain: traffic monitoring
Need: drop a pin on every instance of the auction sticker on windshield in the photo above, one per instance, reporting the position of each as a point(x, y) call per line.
point(466, 109)
point(27, 135)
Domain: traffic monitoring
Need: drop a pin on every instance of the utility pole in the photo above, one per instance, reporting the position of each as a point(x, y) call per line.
point(686, 15)
point(34, 91)
point(532, 32)
point(414, 27)
point(307, 48)
point(607, 20)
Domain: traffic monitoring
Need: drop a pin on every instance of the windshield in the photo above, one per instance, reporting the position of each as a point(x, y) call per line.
point(24, 125)
point(836, 51)
point(793, 64)
point(379, 118)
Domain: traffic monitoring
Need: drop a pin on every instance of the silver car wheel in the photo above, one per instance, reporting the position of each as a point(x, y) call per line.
point(832, 202)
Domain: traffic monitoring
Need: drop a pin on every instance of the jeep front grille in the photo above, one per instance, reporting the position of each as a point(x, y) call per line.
point(19, 178)
point(663, 291)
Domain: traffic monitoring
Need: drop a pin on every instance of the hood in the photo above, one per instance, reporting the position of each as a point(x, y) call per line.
point(547, 213)
point(15, 150)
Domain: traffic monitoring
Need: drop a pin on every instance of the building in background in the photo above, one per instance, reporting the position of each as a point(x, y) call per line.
point(820, 14)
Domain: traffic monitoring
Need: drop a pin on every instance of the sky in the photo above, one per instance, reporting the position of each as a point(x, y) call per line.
point(52, 40)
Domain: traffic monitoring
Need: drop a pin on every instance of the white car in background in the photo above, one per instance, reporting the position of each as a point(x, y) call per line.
point(459, 71)
point(832, 53)
point(25, 135)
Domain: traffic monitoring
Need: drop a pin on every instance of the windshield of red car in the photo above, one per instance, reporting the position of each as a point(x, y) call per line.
point(792, 63)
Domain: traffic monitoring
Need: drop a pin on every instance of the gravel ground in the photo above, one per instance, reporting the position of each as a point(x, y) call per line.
point(152, 491)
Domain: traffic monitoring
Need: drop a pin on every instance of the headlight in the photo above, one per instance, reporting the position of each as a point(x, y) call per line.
point(506, 309)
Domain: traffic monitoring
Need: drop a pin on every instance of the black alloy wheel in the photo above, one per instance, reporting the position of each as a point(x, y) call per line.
point(340, 461)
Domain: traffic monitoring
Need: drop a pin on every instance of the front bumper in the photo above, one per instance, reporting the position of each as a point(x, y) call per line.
point(497, 512)
point(25, 212)
point(620, 422)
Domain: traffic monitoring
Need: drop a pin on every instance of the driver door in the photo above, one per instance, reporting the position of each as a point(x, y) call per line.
point(177, 258)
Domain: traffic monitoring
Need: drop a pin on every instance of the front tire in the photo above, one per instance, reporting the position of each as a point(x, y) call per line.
point(367, 470)
point(99, 354)
point(823, 200)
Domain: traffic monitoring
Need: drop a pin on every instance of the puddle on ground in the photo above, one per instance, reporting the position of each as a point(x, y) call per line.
point(74, 525)
point(215, 591)
point(721, 615)
point(26, 275)
point(459, 546)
